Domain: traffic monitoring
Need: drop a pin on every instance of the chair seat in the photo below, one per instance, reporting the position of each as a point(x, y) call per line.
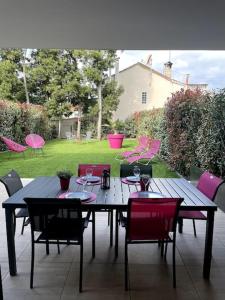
point(192, 215)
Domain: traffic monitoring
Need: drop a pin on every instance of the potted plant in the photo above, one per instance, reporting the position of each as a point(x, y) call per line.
point(64, 177)
point(116, 139)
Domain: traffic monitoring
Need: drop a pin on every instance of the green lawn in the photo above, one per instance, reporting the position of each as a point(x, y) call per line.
point(66, 154)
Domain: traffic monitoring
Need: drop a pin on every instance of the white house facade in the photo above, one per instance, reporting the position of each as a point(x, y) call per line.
point(145, 88)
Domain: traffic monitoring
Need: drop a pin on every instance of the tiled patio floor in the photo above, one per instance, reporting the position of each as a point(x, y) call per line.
point(56, 276)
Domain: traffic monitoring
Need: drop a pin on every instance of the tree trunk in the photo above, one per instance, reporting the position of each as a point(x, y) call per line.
point(59, 133)
point(25, 84)
point(79, 123)
point(99, 126)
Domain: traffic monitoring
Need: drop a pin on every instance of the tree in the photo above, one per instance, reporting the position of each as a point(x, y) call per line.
point(58, 81)
point(11, 85)
point(96, 65)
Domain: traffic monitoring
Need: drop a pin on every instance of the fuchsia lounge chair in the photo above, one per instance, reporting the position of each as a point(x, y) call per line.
point(35, 141)
point(208, 184)
point(143, 145)
point(13, 146)
point(154, 149)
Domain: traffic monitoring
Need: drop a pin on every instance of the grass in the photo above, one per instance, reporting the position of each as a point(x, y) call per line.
point(67, 154)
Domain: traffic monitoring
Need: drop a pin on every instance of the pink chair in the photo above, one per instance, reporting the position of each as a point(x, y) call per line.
point(35, 141)
point(155, 148)
point(13, 146)
point(208, 184)
point(151, 221)
point(143, 145)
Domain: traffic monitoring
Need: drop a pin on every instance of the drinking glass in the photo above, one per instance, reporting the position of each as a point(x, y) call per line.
point(146, 180)
point(136, 171)
point(89, 172)
point(84, 182)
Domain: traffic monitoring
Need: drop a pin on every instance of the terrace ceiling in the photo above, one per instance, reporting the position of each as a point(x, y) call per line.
point(124, 24)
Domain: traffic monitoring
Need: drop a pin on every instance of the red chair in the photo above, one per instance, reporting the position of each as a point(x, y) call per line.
point(148, 155)
point(143, 145)
point(97, 171)
point(208, 184)
point(13, 146)
point(151, 221)
point(35, 141)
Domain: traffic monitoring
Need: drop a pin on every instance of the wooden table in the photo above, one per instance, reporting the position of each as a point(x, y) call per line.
point(114, 198)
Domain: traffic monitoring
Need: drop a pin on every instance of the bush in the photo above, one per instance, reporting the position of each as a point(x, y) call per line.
point(17, 120)
point(183, 118)
point(210, 148)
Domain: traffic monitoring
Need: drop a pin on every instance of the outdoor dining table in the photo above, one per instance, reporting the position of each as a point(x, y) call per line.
point(115, 198)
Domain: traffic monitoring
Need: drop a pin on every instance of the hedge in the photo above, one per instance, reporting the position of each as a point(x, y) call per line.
point(17, 120)
point(191, 128)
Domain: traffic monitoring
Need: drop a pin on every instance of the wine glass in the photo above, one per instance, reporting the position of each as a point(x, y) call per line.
point(146, 180)
point(84, 182)
point(136, 171)
point(89, 172)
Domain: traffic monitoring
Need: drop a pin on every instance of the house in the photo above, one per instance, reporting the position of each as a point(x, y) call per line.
point(146, 88)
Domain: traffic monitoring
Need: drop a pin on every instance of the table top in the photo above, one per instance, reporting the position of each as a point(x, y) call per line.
point(118, 194)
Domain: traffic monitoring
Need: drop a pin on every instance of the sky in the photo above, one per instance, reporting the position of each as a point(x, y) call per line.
point(203, 66)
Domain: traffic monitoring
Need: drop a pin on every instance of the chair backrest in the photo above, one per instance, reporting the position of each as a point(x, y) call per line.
point(127, 170)
point(155, 146)
point(13, 146)
point(43, 212)
point(12, 182)
point(97, 169)
point(151, 219)
point(209, 184)
point(34, 140)
point(144, 141)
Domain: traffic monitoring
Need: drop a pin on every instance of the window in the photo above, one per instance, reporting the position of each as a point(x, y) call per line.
point(144, 98)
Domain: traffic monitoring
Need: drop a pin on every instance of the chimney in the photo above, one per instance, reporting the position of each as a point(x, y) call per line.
point(187, 76)
point(168, 69)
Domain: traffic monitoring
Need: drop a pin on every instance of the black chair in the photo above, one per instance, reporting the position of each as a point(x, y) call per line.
point(58, 221)
point(151, 221)
point(13, 184)
point(127, 170)
point(1, 291)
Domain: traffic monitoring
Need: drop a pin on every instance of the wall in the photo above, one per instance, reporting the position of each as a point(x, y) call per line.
point(136, 80)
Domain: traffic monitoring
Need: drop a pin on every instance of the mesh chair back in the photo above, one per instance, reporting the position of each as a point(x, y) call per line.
point(13, 146)
point(52, 214)
point(208, 184)
point(34, 141)
point(12, 182)
point(152, 219)
point(97, 169)
point(127, 170)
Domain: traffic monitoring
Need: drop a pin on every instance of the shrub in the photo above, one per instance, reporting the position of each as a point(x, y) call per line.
point(211, 134)
point(17, 120)
point(183, 118)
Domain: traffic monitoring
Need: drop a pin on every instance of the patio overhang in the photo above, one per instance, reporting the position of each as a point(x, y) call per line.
point(115, 24)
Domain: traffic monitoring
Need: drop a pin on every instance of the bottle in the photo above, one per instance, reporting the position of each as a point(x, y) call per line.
point(105, 180)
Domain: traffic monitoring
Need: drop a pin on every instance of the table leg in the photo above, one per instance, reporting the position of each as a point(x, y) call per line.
point(93, 234)
point(10, 241)
point(1, 292)
point(208, 244)
point(116, 232)
point(111, 228)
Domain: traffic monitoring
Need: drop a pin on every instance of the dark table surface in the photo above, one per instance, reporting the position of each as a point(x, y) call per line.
point(118, 194)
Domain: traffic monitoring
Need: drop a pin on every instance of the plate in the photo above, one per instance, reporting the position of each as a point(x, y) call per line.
point(79, 195)
point(147, 195)
point(133, 178)
point(91, 179)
